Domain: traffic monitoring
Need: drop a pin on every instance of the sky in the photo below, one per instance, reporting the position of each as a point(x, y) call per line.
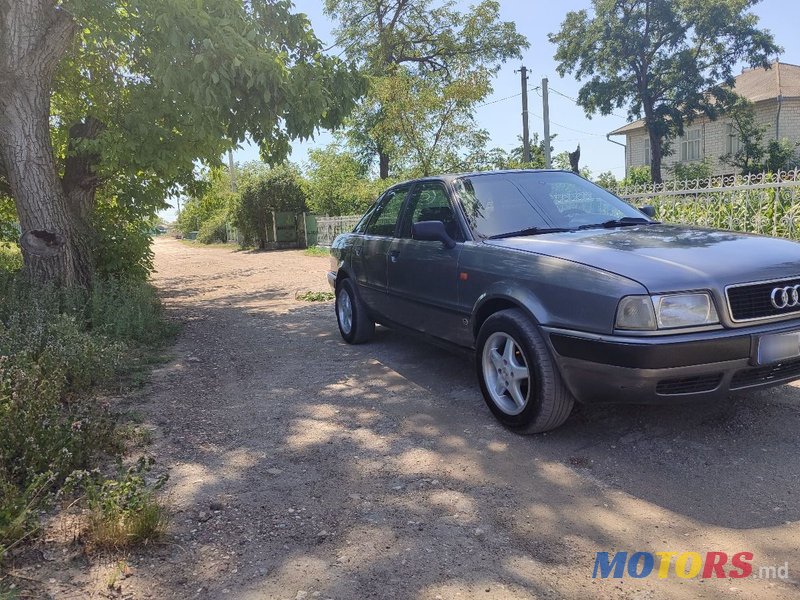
point(501, 115)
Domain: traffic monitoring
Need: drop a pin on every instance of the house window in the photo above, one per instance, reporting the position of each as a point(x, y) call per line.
point(647, 151)
point(690, 144)
point(732, 141)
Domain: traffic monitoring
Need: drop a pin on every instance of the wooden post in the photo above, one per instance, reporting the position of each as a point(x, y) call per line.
point(275, 228)
point(305, 229)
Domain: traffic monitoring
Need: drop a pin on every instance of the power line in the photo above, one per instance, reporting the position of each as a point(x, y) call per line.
point(532, 89)
point(573, 100)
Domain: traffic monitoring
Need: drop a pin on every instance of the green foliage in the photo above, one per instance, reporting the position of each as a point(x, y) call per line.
point(337, 183)
point(56, 346)
point(278, 189)
point(637, 176)
point(122, 220)
point(748, 158)
point(123, 509)
point(770, 211)
point(429, 66)
point(317, 251)
point(670, 61)
point(316, 296)
point(10, 257)
point(215, 229)
point(691, 171)
point(607, 180)
point(8, 219)
point(781, 156)
point(213, 196)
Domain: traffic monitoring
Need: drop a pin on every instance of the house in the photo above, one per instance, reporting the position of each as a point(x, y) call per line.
point(775, 93)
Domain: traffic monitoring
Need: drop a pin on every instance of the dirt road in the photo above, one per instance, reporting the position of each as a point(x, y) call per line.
point(305, 468)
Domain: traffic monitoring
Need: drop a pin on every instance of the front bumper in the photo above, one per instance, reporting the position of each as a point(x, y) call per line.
point(332, 280)
point(658, 369)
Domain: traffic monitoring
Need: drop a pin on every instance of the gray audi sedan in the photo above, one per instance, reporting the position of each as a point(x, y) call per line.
point(566, 293)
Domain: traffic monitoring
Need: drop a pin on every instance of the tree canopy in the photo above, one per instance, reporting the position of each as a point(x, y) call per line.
point(144, 89)
point(667, 61)
point(429, 65)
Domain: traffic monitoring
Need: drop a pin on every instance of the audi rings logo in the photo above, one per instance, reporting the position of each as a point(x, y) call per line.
point(785, 297)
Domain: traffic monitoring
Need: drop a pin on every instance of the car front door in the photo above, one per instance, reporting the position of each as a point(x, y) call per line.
point(423, 275)
point(373, 252)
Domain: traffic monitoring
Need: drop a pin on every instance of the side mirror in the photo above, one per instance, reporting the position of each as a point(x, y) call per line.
point(649, 211)
point(432, 231)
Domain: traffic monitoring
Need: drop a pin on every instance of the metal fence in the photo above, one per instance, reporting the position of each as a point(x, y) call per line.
point(329, 227)
point(766, 203)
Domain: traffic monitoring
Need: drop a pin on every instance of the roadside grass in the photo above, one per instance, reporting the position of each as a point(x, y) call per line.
point(315, 296)
point(58, 350)
point(317, 251)
point(198, 244)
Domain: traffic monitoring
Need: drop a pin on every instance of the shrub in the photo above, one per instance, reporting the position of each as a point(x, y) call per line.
point(277, 189)
point(123, 509)
point(215, 229)
point(55, 347)
point(691, 171)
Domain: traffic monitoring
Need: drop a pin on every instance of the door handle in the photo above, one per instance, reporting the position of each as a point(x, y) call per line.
point(357, 250)
point(394, 255)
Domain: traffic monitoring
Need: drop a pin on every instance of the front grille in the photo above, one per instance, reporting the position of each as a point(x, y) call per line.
point(688, 385)
point(753, 301)
point(758, 375)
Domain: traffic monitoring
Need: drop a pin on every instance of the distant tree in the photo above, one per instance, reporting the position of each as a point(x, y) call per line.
point(420, 48)
point(607, 180)
point(337, 183)
point(668, 61)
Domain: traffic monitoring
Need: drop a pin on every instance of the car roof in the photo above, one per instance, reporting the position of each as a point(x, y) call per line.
point(452, 176)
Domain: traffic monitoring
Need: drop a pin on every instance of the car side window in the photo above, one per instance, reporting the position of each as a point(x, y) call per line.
point(384, 218)
point(361, 226)
point(430, 202)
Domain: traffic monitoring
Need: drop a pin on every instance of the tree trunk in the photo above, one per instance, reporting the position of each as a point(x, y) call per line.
point(34, 36)
point(383, 160)
point(655, 158)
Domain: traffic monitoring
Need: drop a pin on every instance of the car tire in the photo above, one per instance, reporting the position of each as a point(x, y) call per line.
point(354, 322)
point(508, 345)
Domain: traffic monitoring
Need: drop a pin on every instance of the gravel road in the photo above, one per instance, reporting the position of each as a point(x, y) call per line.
point(301, 467)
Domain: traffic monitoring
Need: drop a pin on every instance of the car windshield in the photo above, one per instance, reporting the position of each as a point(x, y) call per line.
point(529, 202)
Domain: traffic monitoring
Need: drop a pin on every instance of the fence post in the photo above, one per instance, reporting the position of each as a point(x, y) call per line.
point(305, 229)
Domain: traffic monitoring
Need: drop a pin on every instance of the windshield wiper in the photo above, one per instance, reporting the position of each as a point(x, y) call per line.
point(623, 222)
point(529, 231)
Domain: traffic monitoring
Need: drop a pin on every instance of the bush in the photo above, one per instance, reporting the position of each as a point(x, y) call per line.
point(691, 171)
point(124, 509)
point(278, 189)
point(56, 346)
point(215, 229)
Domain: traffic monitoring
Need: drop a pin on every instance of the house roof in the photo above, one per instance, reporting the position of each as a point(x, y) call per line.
point(781, 79)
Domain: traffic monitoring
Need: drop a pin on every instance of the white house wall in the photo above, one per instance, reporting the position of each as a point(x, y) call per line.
point(713, 143)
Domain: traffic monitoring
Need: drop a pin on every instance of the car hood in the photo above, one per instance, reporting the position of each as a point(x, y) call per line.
point(670, 258)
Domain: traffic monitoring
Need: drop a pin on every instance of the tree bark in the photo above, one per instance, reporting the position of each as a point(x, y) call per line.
point(34, 36)
point(655, 155)
point(383, 162)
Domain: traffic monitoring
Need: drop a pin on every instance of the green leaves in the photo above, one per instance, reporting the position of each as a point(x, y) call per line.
point(429, 66)
point(665, 60)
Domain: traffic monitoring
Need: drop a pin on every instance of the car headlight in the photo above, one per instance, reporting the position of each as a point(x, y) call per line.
point(668, 311)
point(684, 310)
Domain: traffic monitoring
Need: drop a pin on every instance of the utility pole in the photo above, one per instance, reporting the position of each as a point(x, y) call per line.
point(526, 142)
point(232, 170)
point(548, 163)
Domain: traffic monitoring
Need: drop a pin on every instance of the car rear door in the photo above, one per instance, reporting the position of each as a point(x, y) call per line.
point(423, 275)
point(373, 252)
